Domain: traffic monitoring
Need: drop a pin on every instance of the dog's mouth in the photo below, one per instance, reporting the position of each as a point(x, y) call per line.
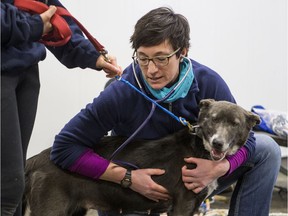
point(217, 155)
point(217, 152)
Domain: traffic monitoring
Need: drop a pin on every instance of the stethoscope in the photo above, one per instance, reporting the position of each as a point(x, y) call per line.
point(154, 104)
point(172, 90)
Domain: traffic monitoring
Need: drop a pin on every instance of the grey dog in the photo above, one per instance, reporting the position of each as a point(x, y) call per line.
point(223, 127)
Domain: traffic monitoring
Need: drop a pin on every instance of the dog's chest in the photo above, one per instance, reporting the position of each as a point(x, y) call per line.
point(211, 187)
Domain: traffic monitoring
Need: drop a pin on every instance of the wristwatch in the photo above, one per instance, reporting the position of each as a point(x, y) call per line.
point(126, 181)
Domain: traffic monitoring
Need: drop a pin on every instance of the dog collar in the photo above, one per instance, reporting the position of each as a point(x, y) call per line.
point(193, 129)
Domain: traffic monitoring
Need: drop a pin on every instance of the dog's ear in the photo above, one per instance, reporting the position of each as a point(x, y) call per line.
point(204, 103)
point(252, 119)
point(204, 107)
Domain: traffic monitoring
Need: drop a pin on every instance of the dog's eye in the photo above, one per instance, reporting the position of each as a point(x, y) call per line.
point(235, 123)
point(214, 118)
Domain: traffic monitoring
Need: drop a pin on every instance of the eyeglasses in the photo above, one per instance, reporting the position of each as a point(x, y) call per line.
point(159, 61)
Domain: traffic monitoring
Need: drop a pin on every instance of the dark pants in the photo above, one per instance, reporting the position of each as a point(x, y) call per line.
point(19, 98)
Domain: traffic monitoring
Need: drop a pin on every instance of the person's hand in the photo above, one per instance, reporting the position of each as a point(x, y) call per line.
point(110, 68)
point(46, 17)
point(143, 184)
point(205, 172)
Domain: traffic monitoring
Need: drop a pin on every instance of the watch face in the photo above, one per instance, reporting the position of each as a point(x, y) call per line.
point(126, 182)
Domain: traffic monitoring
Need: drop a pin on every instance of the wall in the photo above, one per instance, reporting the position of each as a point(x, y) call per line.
point(244, 41)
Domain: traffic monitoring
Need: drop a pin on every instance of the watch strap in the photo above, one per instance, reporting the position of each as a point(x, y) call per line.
point(126, 181)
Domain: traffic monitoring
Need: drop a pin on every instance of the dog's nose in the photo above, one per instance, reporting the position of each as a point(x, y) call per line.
point(217, 144)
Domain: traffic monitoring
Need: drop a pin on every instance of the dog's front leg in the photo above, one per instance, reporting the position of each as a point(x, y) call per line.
point(183, 203)
point(186, 202)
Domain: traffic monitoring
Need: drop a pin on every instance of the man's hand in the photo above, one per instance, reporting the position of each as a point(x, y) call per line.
point(143, 184)
point(142, 181)
point(111, 68)
point(46, 17)
point(205, 172)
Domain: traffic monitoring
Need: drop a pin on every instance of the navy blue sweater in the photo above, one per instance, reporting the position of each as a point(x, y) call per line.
point(122, 110)
point(20, 49)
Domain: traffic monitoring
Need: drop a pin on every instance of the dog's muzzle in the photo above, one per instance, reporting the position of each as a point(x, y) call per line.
point(217, 152)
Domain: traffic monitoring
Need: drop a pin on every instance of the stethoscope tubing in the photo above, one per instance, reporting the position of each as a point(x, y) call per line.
point(154, 104)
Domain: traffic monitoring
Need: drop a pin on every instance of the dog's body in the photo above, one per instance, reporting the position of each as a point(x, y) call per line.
point(224, 128)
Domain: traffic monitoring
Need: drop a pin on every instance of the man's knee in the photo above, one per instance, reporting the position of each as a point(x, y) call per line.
point(267, 144)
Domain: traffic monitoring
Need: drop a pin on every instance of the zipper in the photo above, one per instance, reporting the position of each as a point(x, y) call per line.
point(170, 107)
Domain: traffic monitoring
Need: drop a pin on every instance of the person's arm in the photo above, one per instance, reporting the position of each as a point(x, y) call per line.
point(72, 148)
point(18, 27)
point(79, 51)
point(77, 139)
point(241, 156)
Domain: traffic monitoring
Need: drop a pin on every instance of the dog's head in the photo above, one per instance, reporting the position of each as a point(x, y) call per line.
point(224, 127)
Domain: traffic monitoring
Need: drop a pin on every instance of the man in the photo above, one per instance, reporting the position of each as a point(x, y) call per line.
point(20, 54)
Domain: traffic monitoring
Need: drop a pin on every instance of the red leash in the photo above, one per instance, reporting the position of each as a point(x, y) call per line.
point(61, 32)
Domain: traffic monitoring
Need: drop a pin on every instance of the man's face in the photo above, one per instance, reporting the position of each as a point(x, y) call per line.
point(159, 76)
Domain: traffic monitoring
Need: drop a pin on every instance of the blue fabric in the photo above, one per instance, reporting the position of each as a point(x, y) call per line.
point(262, 126)
point(182, 90)
point(20, 49)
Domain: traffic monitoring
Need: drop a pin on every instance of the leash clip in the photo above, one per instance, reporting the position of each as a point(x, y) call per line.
point(104, 53)
point(192, 128)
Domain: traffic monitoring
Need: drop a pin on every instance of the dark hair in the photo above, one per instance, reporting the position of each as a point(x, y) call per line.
point(159, 25)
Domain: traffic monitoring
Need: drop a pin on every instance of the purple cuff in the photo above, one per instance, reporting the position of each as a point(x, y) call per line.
point(237, 159)
point(90, 164)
